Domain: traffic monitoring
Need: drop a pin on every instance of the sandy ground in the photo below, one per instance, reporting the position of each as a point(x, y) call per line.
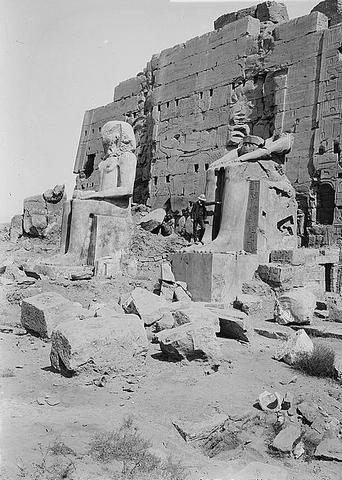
point(157, 394)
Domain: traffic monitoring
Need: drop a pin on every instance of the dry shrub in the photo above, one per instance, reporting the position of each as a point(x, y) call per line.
point(46, 469)
point(319, 363)
point(128, 446)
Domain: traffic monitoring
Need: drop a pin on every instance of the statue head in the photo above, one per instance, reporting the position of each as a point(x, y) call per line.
point(117, 137)
point(250, 143)
point(240, 111)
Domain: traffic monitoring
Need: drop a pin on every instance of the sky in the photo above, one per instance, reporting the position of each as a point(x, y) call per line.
point(59, 58)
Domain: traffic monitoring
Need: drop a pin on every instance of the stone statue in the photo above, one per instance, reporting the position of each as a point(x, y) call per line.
point(96, 222)
point(258, 201)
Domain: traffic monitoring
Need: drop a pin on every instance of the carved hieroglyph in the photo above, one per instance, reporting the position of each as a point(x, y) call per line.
point(103, 217)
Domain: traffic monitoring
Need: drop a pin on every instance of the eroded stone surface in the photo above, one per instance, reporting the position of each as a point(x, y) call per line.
point(112, 342)
point(296, 306)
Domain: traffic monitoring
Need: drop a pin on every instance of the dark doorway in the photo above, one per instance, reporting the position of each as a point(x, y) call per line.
point(218, 198)
point(325, 204)
point(89, 165)
point(328, 271)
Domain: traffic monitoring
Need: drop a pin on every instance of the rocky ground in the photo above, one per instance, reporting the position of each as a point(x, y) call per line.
point(49, 420)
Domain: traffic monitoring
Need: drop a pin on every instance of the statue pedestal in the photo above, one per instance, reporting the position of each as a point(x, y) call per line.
point(214, 277)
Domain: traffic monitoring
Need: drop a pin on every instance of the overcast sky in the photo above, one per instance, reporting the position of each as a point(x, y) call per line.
point(62, 57)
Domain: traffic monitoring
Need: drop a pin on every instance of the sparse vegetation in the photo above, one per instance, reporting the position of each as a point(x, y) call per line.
point(47, 469)
point(319, 363)
point(7, 372)
point(128, 446)
point(59, 448)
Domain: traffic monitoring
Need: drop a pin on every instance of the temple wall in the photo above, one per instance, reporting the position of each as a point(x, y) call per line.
point(281, 75)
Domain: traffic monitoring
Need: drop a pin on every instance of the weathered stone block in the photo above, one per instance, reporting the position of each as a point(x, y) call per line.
point(297, 345)
point(286, 438)
point(152, 221)
point(334, 304)
point(296, 306)
point(112, 342)
point(300, 26)
point(272, 11)
point(292, 257)
point(41, 313)
point(332, 9)
point(190, 341)
point(16, 228)
point(148, 306)
point(35, 215)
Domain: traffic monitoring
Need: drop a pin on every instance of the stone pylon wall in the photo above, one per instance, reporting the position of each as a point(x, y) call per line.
point(190, 102)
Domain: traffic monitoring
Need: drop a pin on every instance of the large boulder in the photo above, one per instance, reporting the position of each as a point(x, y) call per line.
point(299, 344)
point(113, 342)
point(40, 314)
point(296, 306)
point(190, 341)
point(287, 438)
point(148, 306)
point(152, 221)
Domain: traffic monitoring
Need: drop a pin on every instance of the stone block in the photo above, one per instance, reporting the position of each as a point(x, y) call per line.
point(300, 26)
point(16, 228)
point(152, 221)
point(334, 304)
point(114, 342)
point(40, 314)
point(166, 273)
point(190, 341)
point(248, 304)
point(330, 449)
point(272, 12)
point(295, 306)
point(332, 9)
point(286, 438)
point(35, 216)
point(110, 236)
point(276, 275)
point(148, 306)
point(297, 345)
point(195, 313)
point(225, 19)
point(167, 290)
point(292, 257)
point(232, 323)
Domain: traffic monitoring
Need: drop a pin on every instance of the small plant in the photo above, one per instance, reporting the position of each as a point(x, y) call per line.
point(59, 448)
point(46, 469)
point(127, 445)
point(319, 363)
point(7, 373)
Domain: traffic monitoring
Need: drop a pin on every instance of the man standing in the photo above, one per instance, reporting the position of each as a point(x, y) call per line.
point(199, 215)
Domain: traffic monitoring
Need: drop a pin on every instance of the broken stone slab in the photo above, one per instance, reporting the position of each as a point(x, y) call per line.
point(322, 329)
point(200, 431)
point(41, 313)
point(248, 304)
point(105, 309)
point(273, 332)
point(148, 306)
point(334, 305)
point(330, 449)
point(61, 271)
point(323, 314)
point(166, 274)
point(111, 343)
point(297, 345)
point(152, 221)
point(167, 290)
point(195, 313)
point(287, 438)
point(258, 471)
point(296, 306)
point(12, 274)
point(232, 323)
point(309, 411)
point(181, 293)
point(190, 341)
point(35, 216)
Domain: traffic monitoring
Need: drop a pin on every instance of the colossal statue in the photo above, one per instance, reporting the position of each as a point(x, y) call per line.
point(258, 201)
point(97, 223)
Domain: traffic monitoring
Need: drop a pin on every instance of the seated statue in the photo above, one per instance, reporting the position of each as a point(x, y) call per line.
point(258, 201)
point(109, 206)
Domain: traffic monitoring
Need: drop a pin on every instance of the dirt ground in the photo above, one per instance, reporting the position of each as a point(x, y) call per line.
point(156, 395)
